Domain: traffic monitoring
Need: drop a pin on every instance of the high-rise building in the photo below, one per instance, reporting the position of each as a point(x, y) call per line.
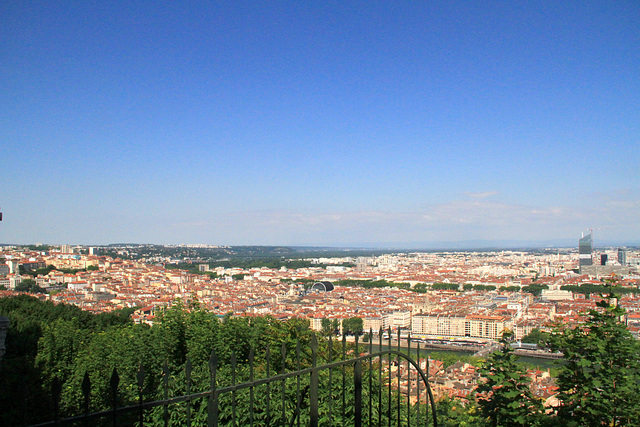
point(585, 247)
point(603, 259)
point(622, 256)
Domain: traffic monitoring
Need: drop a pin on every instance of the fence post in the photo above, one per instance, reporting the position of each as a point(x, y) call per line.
point(251, 356)
point(115, 380)
point(165, 386)
point(187, 370)
point(268, 358)
point(140, 378)
point(233, 383)
point(357, 382)
point(56, 391)
point(313, 392)
point(86, 392)
point(213, 399)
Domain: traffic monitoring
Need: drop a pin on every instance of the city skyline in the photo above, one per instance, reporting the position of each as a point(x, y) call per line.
point(327, 124)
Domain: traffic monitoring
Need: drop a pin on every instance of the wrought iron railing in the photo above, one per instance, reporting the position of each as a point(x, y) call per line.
point(338, 392)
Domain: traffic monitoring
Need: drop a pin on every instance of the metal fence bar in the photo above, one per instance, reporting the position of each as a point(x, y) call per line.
point(115, 380)
point(140, 378)
point(298, 402)
point(233, 393)
point(165, 386)
point(389, 381)
point(408, 383)
point(187, 371)
point(268, 357)
point(344, 383)
point(380, 379)
point(213, 401)
point(357, 385)
point(370, 377)
point(398, 373)
point(283, 352)
point(418, 384)
point(330, 381)
point(312, 390)
point(251, 356)
point(86, 391)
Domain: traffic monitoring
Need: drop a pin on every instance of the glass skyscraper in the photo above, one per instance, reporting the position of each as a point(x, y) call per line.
point(585, 247)
point(622, 256)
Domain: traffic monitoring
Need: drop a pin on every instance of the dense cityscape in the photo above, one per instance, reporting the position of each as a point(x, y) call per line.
point(447, 300)
point(447, 294)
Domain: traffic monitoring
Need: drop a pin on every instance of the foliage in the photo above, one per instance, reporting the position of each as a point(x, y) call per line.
point(420, 287)
point(590, 288)
point(600, 380)
point(25, 375)
point(504, 396)
point(367, 284)
point(453, 413)
point(536, 336)
point(469, 287)
point(535, 289)
point(484, 287)
point(29, 285)
point(352, 326)
point(330, 327)
point(63, 343)
point(445, 286)
point(41, 271)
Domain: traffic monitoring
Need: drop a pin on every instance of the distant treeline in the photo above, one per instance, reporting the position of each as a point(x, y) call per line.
point(534, 288)
point(589, 288)
point(244, 263)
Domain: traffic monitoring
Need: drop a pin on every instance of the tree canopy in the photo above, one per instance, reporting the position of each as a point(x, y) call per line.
point(599, 383)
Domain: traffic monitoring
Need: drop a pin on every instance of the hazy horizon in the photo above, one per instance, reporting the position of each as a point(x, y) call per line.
point(385, 246)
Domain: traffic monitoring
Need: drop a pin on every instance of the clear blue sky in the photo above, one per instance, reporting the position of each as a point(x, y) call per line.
point(319, 123)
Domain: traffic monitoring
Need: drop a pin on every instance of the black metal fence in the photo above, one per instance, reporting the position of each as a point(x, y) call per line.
point(375, 388)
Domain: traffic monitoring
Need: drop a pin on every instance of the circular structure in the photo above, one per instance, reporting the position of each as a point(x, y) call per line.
point(322, 287)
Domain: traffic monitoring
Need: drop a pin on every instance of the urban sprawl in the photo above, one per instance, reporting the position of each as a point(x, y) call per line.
point(465, 297)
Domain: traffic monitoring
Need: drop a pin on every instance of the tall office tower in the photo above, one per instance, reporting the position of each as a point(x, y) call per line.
point(584, 250)
point(622, 256)
point(603, 259)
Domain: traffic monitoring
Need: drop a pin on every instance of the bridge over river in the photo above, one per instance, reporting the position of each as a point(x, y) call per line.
point(477, 350)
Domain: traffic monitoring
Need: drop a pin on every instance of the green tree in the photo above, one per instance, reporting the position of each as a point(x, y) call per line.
point(535, 288)
point(352, 326)
point(453, 413)
point(420, 287)
point(327, 328)
point(29, 285)
point(504, 396)
point(536, 336)
point(445, 286)
point(599, 382)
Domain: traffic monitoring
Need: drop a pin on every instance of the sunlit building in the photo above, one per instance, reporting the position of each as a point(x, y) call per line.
point(585, 248)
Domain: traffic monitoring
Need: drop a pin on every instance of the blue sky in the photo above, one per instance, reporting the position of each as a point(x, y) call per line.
point(319, 123)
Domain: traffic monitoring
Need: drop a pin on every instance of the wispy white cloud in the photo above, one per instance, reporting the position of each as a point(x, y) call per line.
point(475, 218)
point(482, 194)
